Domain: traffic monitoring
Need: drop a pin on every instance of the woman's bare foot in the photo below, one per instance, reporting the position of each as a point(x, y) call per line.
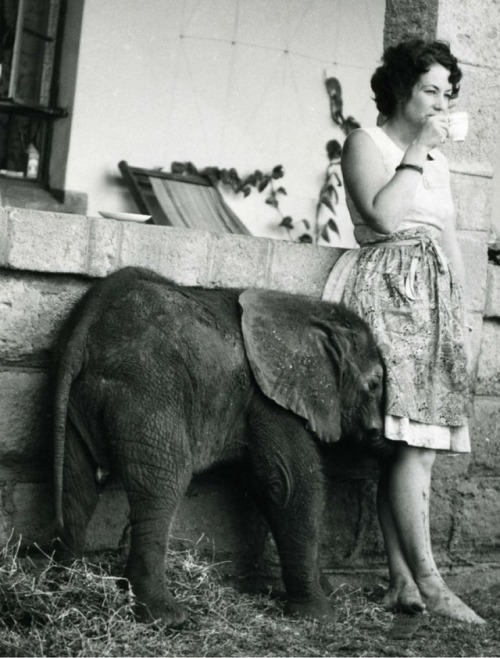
point(403, 597)
point(442, 601)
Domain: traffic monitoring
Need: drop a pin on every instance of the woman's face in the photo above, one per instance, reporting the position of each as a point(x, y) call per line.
point(431, 95)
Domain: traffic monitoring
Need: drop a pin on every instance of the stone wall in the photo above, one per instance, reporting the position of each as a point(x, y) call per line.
point(482, 487)
point(47, 261)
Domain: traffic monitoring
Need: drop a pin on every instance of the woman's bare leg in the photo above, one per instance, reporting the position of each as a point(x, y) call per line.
point(403, 594)
point(408, 494)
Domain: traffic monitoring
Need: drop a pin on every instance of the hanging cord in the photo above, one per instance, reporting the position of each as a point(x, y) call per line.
point(230, 77)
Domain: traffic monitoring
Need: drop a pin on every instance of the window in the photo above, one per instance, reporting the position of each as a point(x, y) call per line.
point(29, 50)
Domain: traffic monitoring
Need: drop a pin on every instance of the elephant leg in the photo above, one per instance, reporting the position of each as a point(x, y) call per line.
point(80, 496)
point(146, 562)
point(288, 483)
point(155, 467)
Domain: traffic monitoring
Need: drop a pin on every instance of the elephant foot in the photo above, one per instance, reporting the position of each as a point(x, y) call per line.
point(326, 585)
point(170, 613)
point(63, 554)
point(318, 609)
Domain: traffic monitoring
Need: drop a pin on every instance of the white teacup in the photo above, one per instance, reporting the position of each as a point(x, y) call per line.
point(458, 126)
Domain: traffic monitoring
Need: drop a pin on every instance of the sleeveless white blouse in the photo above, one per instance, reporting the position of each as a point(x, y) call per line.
point(432, 206)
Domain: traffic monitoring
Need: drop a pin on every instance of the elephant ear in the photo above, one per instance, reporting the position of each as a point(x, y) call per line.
point(293, 355)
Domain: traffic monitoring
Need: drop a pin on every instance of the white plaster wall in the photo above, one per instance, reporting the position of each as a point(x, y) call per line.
point(219, 82)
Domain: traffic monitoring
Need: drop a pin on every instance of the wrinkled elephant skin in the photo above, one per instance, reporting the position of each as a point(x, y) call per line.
point(157, 382)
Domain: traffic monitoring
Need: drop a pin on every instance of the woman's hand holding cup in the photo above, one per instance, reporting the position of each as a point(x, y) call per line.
point(434, 132)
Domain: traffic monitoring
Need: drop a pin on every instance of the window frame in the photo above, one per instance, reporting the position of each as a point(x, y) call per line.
point(43, 107)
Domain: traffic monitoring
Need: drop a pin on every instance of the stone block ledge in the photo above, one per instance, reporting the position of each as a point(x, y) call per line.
point(61, 243)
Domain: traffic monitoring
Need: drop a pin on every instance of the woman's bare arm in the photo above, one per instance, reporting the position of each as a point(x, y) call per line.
point(449, 242)
point(383, 205)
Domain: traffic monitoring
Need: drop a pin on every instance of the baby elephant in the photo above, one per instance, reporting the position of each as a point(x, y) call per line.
point(157, 382)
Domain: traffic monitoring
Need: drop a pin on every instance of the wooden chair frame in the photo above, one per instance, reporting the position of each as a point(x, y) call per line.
point(138, 181)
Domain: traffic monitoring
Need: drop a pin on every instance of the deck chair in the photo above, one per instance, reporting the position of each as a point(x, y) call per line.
point(182, 200)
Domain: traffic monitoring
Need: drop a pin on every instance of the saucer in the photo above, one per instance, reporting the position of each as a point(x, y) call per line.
point(124, 216)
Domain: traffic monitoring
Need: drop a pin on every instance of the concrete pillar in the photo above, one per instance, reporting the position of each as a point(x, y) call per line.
point(410, 17)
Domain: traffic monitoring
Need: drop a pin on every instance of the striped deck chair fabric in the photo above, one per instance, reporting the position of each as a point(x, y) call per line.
point(182, 200)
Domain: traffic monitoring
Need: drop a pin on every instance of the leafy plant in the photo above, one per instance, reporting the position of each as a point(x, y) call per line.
point(266, 181)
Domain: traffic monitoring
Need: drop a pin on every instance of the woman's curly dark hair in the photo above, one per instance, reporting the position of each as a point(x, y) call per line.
point(402, 66)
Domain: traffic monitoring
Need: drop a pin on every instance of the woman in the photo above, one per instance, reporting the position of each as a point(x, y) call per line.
point(406, 280)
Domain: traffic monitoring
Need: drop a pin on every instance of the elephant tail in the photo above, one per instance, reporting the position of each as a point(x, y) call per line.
point(68, 369)
point(72, 358)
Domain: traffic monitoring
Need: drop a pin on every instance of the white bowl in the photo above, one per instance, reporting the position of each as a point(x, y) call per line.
point(124, 216)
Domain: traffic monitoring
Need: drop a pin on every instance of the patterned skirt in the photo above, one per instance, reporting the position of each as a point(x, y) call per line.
point(405, 290)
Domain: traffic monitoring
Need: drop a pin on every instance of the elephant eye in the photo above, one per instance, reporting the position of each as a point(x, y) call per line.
point(374, 379)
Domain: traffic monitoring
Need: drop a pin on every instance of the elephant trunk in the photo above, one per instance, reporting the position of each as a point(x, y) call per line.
point(378, 444)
